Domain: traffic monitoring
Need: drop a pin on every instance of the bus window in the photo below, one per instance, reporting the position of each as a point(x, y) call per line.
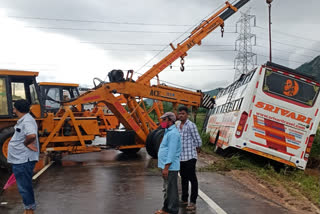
point(213, 110)
point(252, 73)
point(226, 108)
point(290, 88)
point(3, 97)
point(240, 103)
point(237, 104)
point(231, 105)
point(218, 110)
point(223, 110)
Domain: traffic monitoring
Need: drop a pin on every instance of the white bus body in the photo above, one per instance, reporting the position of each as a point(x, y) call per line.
point(273, 111)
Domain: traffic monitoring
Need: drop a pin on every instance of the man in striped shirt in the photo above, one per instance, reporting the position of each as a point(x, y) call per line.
point(191, 142)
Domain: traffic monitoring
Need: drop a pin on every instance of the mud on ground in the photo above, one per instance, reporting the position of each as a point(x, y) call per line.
point(296, 203)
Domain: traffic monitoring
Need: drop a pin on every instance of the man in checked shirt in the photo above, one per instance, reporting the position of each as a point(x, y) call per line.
point(191, 142)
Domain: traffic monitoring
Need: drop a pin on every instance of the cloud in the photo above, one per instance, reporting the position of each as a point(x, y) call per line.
point(68, 54)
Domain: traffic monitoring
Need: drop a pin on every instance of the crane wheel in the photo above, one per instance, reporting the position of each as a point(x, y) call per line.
point(153, 142)
point(157, 139)
point(130, 151)
point(149, 144)
point(5, 136)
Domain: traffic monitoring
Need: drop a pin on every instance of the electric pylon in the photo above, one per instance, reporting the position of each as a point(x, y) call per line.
point(245, 59)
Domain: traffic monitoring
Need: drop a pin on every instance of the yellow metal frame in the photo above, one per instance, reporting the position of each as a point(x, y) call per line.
point(18, 73)
point(54, 138)
point(59, 84)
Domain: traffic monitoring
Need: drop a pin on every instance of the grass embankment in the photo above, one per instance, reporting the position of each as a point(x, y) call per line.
point(294, 180)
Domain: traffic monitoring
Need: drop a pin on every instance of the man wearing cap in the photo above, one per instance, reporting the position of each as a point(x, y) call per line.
point(23, 153)
point(169, 162)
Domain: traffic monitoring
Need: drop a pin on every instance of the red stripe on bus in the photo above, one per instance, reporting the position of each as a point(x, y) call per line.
point(259, 144)
point(260, 71)
point(257, 84)
point(254, 97)
point(302, 154)
point(316, 113)
point(250, 113)
point(311, 126)
point(307, 140)
point(246, 128)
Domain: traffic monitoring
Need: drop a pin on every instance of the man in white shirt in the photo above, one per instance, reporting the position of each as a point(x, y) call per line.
point(23, 153)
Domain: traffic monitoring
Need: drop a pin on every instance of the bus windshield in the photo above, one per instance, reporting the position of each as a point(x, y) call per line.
point(290, 88)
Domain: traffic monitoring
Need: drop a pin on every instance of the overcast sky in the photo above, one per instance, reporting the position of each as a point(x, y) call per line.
point(77, 40)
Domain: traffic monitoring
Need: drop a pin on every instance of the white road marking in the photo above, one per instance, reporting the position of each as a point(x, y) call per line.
point(42, 170)
point(211, 203)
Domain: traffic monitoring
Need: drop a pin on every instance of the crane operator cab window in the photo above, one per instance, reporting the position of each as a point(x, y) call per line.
point(23, 88)
point(3, 97)
point(18, 91)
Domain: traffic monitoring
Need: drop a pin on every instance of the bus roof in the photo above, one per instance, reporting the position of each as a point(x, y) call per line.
point(280, 67)
point(18, 73)
point(59, 84)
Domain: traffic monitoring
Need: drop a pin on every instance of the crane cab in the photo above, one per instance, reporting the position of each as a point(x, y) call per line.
point(53, 93)
point(15, 85)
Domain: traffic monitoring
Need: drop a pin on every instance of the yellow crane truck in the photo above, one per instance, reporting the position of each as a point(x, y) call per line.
point(70, 128)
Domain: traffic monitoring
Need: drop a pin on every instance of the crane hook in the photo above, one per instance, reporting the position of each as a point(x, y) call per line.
point(182, 63)
point(222, 31)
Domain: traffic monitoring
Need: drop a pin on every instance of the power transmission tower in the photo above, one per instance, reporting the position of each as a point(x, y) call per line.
point(245, 59)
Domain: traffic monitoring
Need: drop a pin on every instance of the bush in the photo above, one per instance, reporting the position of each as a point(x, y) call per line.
point(315, 150)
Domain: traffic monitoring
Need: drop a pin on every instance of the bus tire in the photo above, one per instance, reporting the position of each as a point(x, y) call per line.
point(216, 148)
point(5, 136)
point(149, 144)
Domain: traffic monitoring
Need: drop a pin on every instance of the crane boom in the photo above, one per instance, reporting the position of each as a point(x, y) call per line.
point(136, 117)
point(196, 37)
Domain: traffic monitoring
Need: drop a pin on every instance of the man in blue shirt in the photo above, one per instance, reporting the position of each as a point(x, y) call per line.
point(169, 162)
point(23, 153)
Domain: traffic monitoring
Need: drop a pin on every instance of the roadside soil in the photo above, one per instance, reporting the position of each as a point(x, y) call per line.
point(296, 203)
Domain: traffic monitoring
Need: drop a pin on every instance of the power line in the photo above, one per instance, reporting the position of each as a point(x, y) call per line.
point(143, 44)
point(152, 50)
point(95, 21)
point(261, 46)
point(290, 35)
point(281, 59)
point(203, 66)
point(107, 30)
point(143, 24)
point(188, 30)
point(102, 22)
point(209, 69)
point(296, 46)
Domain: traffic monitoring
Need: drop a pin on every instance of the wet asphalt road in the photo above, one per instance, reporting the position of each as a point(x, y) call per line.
point(111, 182)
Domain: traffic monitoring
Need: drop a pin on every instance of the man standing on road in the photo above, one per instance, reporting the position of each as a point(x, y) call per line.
point(23, 153)
point(191, 142)
point(169, 162)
